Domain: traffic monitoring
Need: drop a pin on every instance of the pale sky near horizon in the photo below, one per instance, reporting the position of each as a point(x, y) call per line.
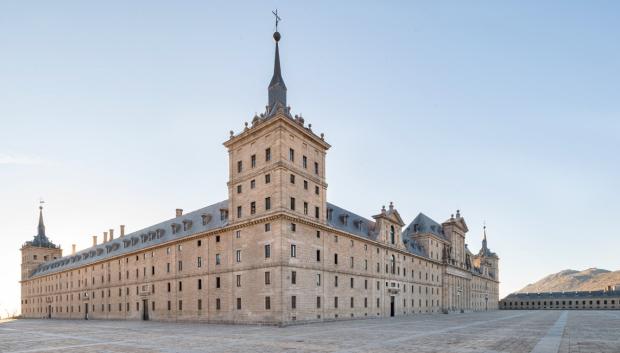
point(115, 113)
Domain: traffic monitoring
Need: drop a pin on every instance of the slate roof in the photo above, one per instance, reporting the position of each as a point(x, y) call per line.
point(159, 233)
point(149, 236)
point(424, 224)
point(568, 295)
point(363, 227)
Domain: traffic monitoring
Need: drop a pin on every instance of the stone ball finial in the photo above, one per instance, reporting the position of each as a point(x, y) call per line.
point(322, 136)
point(232, 133)
point(391, 205)
point(277, 36)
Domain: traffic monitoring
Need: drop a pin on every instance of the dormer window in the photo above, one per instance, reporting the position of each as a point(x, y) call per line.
point(160, 233)
point(187, 225)
point(206, 218)
point(223, 214)
point(358, 224)
point(344, 219)
point(175, 227)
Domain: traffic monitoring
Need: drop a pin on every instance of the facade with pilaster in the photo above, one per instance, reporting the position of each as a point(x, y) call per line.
point(275, 251)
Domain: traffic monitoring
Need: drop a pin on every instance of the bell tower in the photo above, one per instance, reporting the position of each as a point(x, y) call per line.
point(276, 164)
point(38, 250)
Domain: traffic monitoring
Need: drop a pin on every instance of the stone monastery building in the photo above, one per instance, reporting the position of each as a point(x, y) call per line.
point(274, 252)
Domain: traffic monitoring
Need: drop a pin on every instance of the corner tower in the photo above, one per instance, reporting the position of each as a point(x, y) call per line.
point(276, 164)
point(38, 250)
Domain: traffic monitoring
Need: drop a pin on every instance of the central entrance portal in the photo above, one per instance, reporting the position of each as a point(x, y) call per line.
point(392, 304)
point(145, 309)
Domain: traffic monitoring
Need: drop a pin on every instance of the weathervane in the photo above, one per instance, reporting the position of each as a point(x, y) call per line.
point(278, 19)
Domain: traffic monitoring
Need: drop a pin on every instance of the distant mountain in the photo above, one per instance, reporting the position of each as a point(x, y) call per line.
point(571, 280)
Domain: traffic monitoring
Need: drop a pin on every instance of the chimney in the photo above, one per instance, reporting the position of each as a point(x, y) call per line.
point(94, 240)
point(122, 230)
point(179, 212)
point(111, 234)
point(72, 249)
point(105, 237)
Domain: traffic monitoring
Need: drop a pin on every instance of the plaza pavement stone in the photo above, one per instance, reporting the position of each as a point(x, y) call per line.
point(490, 332)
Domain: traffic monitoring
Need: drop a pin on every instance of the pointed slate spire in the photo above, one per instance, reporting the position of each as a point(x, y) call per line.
point(41, 228)
point(277, 88)
point(484, 238)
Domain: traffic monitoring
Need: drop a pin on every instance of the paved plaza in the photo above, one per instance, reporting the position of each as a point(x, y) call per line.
point(499, 331)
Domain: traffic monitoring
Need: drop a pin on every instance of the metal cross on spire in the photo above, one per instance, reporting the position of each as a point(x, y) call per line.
point(41, 202)
point(278, 19)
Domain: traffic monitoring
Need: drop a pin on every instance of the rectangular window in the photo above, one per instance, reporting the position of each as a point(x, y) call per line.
point(316, 190)
point(352, 261)
point(305, 184)
point(238, 255)
point(217, 304)
point(316, 212)
point(352, 302)
point(304, 162)
point(335, 281)
point(168, 267)
point(294, 302)
point(293, 250)
point(267, 203)
point(318, 279)
point(239, 212)
point(199, 284)
point(305, 208)
point(253, 161)
point(335, 302)
point(316, 168)
point(169, 305)
point(291, 155)
point(180, 286)
point(335, 259)
point(293, 277)
point(217, 259)
point(252, 183)
point(267, 277)
point(180, 265)
point(238, 303)
point(267, 251)
point(238, 234)
point(267, 303)
point(293, 203)
point(318, 255)
point(217, 282)
point(238, 280)
point(199, 261)
point(352, 282)
point(292, 178)
point(267, 154)
point(267, 178)
point(199, 304)
point(267, 227)
point(239, 187)
point(239, 166)
point(180, 305)
point(168, 286)
point(293, 227)
point(253, 207)
point(318, 302)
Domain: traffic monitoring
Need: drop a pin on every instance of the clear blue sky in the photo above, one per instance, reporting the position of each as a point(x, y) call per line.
point(114, 112)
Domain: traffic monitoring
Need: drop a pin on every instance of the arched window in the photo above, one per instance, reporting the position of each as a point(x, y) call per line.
point(393, 264)
point(392, 237)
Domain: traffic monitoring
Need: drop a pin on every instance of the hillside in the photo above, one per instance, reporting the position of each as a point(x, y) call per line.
point(571, 280)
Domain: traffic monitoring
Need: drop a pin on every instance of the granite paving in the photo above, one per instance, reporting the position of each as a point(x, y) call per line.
point(489, 332)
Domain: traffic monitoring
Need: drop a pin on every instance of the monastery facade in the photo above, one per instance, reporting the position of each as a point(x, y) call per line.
point(276, 251)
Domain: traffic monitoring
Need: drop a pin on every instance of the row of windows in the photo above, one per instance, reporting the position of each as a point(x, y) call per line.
point(557, 302)
point(291, 157)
